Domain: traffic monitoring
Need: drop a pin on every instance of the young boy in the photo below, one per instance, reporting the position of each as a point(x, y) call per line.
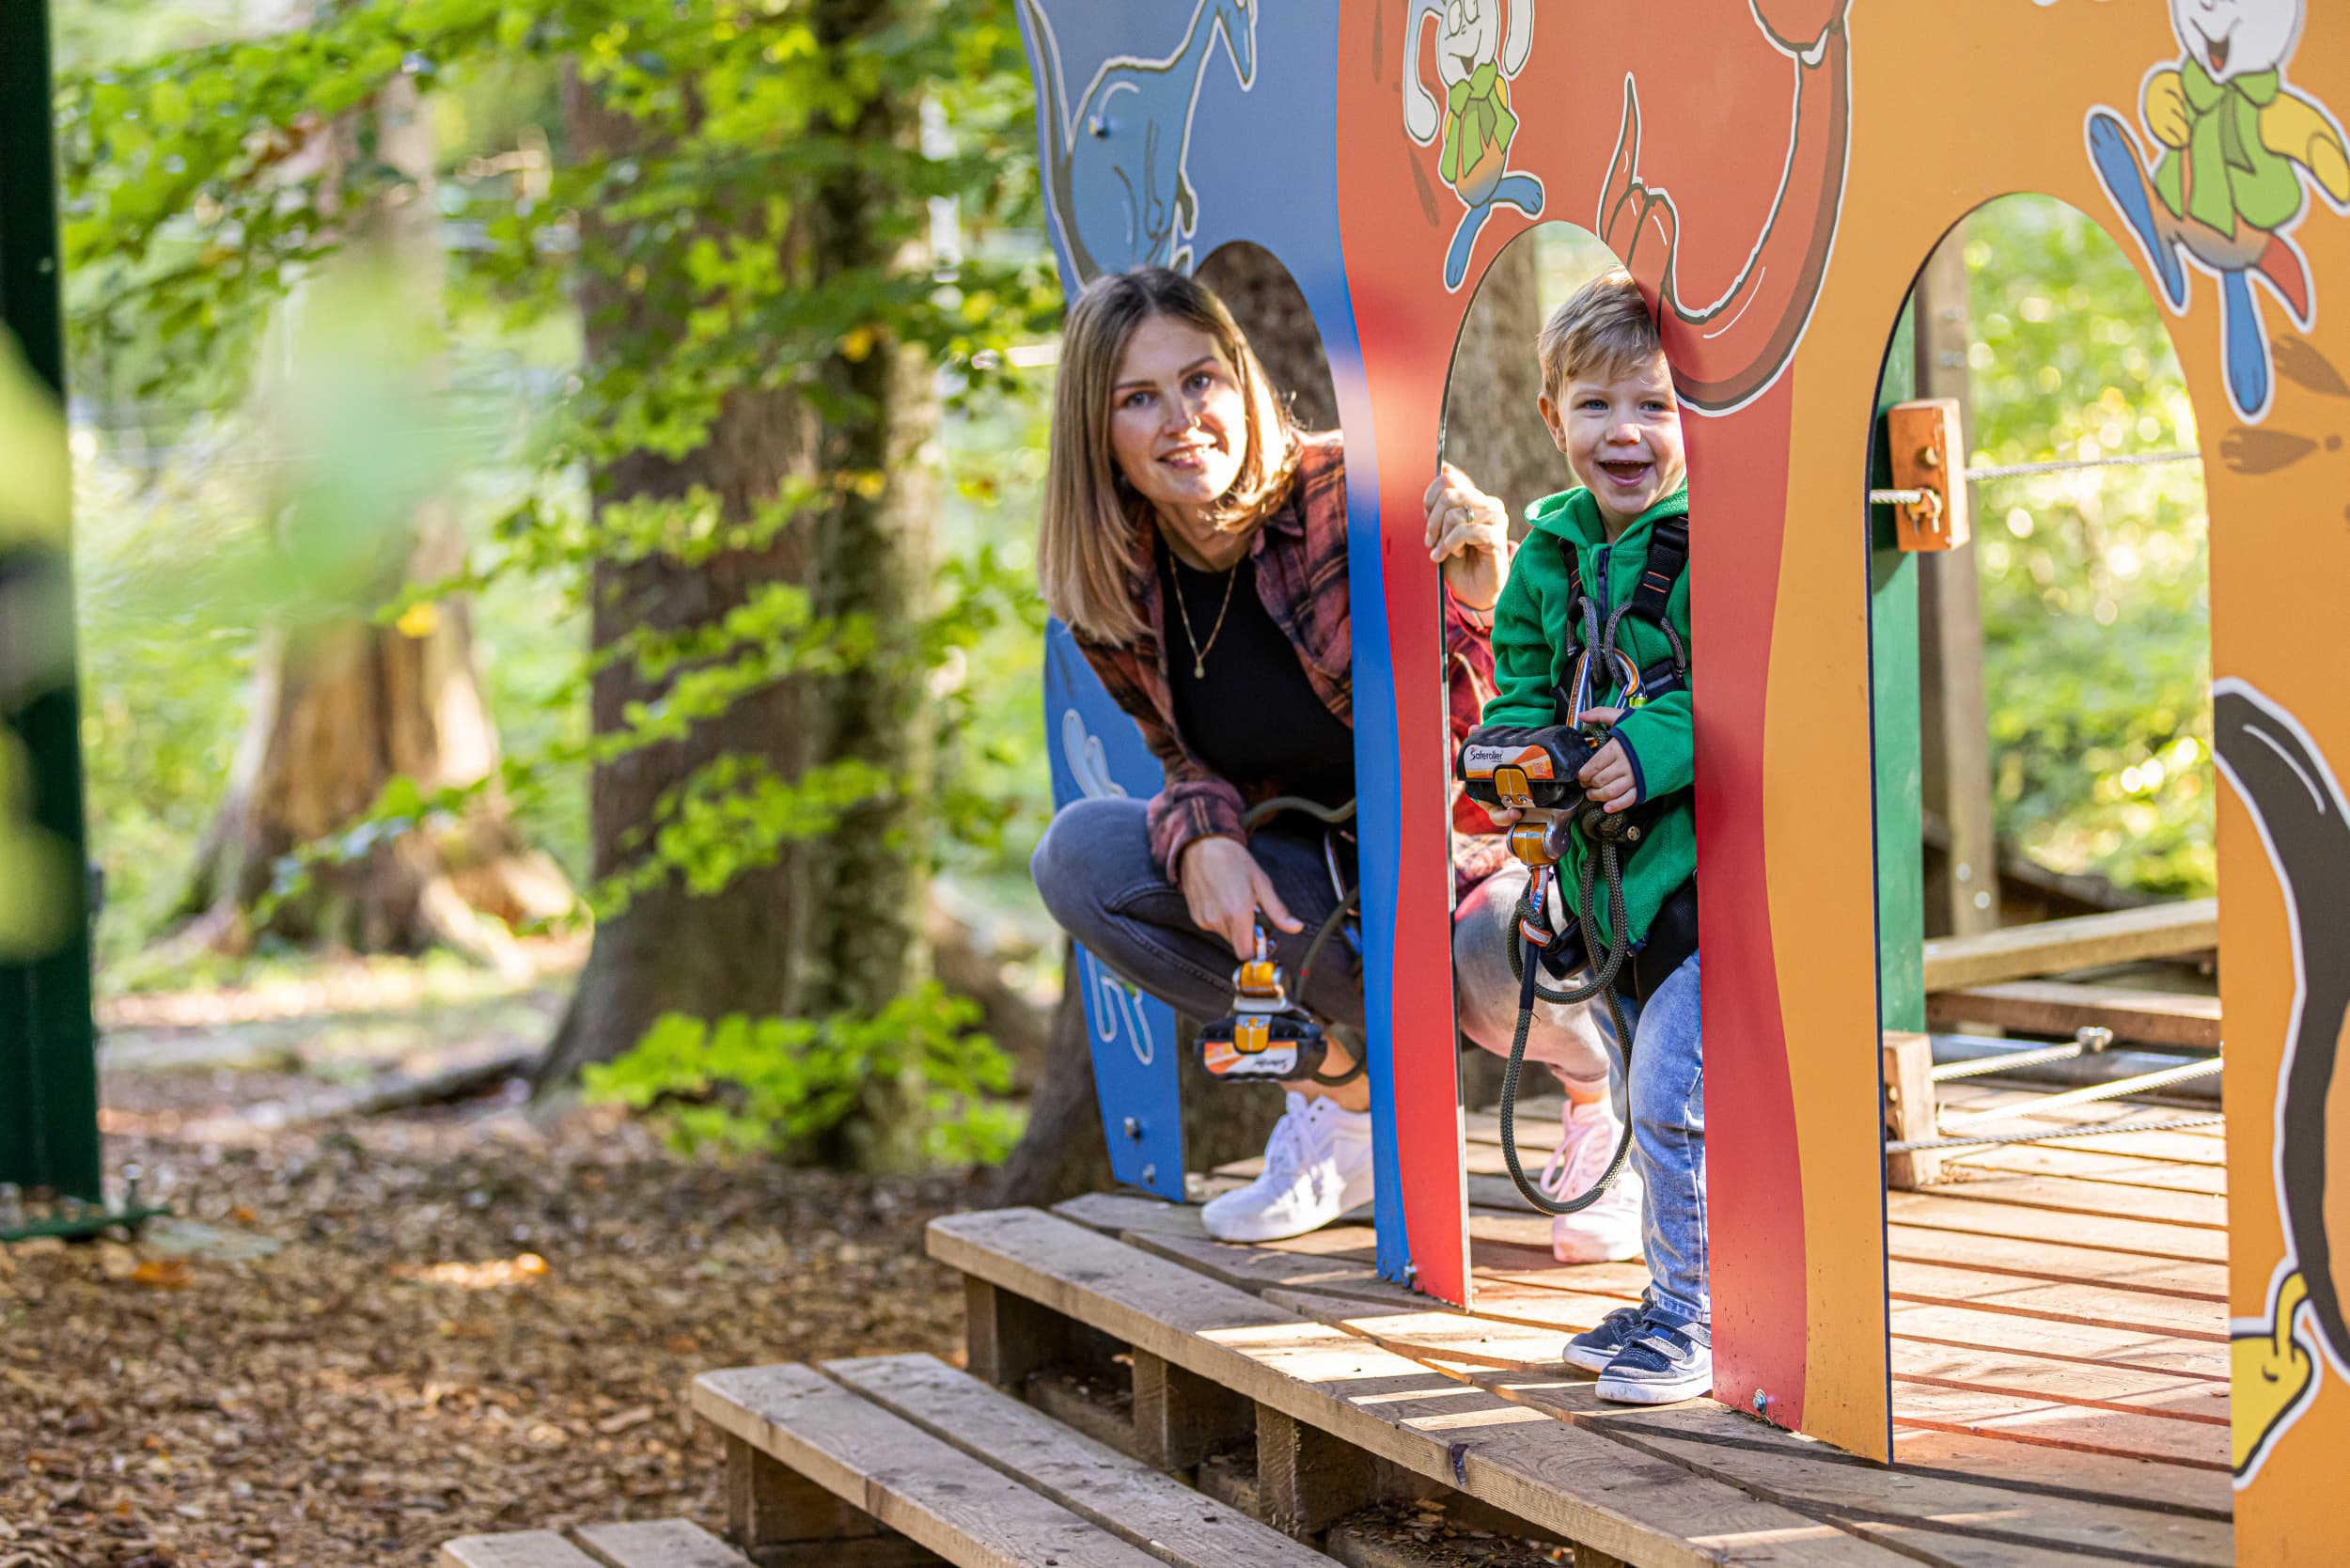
point(1604, 565)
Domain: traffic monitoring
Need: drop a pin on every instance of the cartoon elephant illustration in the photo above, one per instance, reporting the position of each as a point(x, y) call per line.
point(1114, 167)
point(2236, 145)
point(2284, 779)
point(1727, 352)
point(1475, 63)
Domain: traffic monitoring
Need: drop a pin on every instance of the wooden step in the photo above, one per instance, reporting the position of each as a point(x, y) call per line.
point(1581, 1484)
point(663, 1544)
point(793, 1425)
point(1109, 1489)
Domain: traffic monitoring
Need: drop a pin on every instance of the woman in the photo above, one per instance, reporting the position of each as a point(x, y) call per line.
point(1195, 542)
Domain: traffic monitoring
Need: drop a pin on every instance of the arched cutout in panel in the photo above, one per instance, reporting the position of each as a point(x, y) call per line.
point(1493, 437)
point(2042, 747)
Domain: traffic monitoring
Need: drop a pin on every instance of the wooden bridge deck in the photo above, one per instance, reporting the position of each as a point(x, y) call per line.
point(2060, 1345)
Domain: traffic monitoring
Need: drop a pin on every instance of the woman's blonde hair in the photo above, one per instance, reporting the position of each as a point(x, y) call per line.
point(1085, 543)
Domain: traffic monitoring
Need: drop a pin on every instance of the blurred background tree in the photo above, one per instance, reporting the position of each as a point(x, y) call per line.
point(752, 222)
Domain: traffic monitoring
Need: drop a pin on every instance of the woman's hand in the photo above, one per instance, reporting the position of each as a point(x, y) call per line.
point(1225, 887)
point(1469, 532)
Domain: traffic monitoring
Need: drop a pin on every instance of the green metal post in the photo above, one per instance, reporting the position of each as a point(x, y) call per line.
point(1893, 723)
point(48, 1043)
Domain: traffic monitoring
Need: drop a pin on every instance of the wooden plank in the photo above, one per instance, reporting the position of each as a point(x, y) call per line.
point(2089, 1162)
point(1457, 1342)
point(2127, 1390)
point(2062, 1195)
point(906, 1478)
point(2052, 1423)
point(2086, 1345)
point(2147, 1483)
point(1933, 1516)
point(2205, 1144)
point(1943, 1210)
point(1583, 1485)
point(1124, 1497)
point(776, 1509)
point(531, 1548)
point(667, 1544)
point(1306, 1479)
point(1181, 1418)
point(1007, 1339)
point(2084, 942)
point(2058, 1007)
point(2055, 1261)
point(2085, 1304)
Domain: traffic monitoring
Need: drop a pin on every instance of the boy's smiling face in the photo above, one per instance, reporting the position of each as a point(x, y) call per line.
point(1622, 435)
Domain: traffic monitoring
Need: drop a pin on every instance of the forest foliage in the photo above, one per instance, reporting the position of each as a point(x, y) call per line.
point(195, 209)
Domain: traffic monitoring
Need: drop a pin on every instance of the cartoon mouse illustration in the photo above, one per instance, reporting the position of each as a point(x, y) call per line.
point(1475, 63)
point(2236, 145)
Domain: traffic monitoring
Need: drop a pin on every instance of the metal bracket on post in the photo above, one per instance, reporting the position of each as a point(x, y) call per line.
point(1927, 455)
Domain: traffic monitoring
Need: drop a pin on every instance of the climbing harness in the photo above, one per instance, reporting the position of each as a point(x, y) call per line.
point(1268, 1038)
point(1534, 772)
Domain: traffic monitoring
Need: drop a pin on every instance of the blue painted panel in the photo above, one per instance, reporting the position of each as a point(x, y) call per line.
point(1097, 751)
point(1164, 132)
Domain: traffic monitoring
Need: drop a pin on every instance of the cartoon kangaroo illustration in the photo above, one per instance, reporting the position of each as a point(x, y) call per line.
point(1475, 63)
point(2237, 143)
point(2283, 777)
point(1113, 165)
point(1726, 354)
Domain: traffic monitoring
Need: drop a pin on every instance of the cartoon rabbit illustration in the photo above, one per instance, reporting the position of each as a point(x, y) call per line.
point(1113, 165)
point(1475, 63)
point(2236, 145)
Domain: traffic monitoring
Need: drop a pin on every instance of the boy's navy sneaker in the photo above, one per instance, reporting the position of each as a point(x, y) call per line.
point(1596, 1347)
point(1664, 1360)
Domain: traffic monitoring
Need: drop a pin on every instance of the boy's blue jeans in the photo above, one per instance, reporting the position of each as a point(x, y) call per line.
point(1668, 1112)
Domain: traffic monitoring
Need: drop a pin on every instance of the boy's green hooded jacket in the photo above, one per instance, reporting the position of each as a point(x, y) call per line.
point(1535, 643)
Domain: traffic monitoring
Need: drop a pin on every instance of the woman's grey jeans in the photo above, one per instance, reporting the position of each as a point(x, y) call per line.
point(1096, 875)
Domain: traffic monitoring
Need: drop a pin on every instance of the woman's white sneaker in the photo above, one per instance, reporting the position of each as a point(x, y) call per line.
point(1316, 1168)
point(1607, 1231)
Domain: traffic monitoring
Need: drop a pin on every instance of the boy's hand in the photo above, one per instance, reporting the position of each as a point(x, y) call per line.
point(1469, 532)
point(1608, 776)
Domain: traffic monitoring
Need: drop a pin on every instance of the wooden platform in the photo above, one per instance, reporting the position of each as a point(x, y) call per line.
point(2060, 1352)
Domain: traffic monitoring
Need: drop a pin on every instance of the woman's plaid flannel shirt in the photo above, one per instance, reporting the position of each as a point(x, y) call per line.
point(1300, 553)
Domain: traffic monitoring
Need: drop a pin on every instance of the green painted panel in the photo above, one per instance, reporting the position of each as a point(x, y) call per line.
point(1893, 725)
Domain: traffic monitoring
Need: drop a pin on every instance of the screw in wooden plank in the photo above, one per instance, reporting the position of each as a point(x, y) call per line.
point(1761, 1402)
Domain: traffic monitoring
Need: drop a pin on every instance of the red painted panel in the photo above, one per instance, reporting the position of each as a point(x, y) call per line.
point(1755, 1223)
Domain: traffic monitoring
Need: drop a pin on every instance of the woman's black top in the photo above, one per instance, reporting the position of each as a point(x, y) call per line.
point(1253, 716)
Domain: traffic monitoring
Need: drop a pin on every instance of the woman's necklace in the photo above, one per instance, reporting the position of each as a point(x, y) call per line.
point(1200, 654)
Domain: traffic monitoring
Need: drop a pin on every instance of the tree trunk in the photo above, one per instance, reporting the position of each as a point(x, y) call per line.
point(1492, 432)
point(866, 884)
point(669, 949)
point(341, 706)
point(1062, 1152)
point(1266, 301)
